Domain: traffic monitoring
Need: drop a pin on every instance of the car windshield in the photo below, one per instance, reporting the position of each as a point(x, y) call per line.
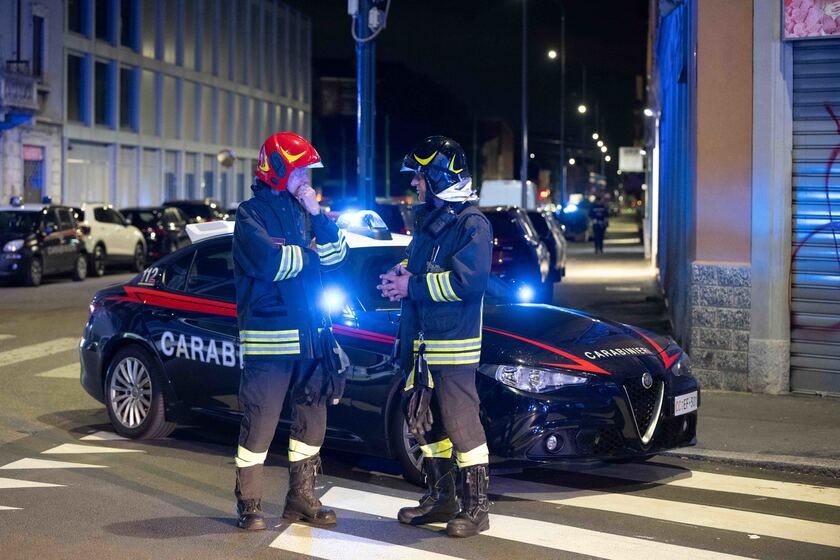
point(203, 211)
point(503, 224)
point(141, 218)
point(19, 221)
point(538, 220)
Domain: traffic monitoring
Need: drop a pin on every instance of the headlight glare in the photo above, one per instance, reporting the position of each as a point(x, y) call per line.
point(682, 366)
point(13, 246)
point(535, 380)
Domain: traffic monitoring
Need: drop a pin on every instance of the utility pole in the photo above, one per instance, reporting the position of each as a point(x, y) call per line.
point(523, 170)
point(388, 156)
point(563, 158)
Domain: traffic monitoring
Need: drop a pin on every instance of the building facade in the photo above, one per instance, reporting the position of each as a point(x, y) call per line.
point(138, 98)
point(743, 144)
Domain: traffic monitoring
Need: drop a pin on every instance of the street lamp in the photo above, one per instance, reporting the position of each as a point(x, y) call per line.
point(604, 149)
point(552, 54)
point(607, 158)
point(532, 156)
point(571, 161)
point(600, 143)
point(648, 112)
point(595, 136)
point(581, 108)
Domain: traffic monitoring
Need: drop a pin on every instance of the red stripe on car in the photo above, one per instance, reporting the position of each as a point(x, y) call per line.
point(578, 363)
point(667, 360)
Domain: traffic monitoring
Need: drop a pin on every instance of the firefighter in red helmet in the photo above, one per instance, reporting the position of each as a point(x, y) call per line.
point(282, 243)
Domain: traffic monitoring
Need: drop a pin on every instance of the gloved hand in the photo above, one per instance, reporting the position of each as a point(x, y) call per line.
point(323, 388)
point(419, 410)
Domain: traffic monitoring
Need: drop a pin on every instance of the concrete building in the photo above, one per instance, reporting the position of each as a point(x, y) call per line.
point(743, 145)
point(136, 98)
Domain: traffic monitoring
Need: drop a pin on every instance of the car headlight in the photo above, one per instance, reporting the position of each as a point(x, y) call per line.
point(569, 208)
point(536, 380)
point(682, 366)
point(525, 294)
point(13, 246)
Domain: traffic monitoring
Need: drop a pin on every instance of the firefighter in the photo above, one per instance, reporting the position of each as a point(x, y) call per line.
point(441, 286)
point(599, 214)
point(281, 244)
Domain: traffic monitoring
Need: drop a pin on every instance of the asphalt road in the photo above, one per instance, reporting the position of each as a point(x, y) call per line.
point(68, 489)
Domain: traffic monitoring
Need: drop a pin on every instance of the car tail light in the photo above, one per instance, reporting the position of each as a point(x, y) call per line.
point(156, 230)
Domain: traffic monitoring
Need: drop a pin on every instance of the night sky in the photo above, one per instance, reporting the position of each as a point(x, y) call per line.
point(472, 50)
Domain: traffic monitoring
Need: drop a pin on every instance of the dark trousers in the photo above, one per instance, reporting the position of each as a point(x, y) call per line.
point(262, 390)
point(598, 232)
point(454, 409)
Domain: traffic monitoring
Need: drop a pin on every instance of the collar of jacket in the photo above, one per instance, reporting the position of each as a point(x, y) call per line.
point(267, 194)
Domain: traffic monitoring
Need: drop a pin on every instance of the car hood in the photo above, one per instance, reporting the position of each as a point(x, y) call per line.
point(565, 338)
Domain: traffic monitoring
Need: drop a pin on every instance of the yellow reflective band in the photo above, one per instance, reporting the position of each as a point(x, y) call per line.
point(270, 349)
point(409, 381)
point(440, 450)
point(299, 451)
point(478, 456)
point(439, 284)
point(281, 270)
point(425, 161)
point(452, 165)
point(404, 262)
point(449, 345)
point(257, 333)
point(245, 458)
point(447, 287)
point(433, 290)
point(297, 262)
point(464, 359)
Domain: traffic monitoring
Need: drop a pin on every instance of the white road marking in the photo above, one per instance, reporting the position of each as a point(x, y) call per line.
point(6, 336)
point(6, 483)
point(713, 517)
point(72, 448)
point(719, 483)
point(6, 507)
point(332, 545)
point(32, 351)
point(531, 531)
point(103, 436)
point(44, 464)
point(71, 371)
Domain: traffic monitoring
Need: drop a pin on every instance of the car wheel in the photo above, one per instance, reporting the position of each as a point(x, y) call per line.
point(35, 273)
point(134, 396)
point(80, 270)
point(405, 446)
point(139, 260)
point(97, 261)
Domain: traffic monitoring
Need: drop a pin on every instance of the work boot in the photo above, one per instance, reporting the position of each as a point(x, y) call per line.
point(301, 502)
point(249, 512)
point(475, 513)
point(439, 503)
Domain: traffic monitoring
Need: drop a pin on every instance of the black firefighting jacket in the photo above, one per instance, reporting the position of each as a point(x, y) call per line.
point(446, 292)
point(278, 275)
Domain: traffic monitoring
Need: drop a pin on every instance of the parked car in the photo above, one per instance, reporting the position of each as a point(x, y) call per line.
point(164, 229)
point(38, 240)
point(575, 218)
point(397, 213)
point(551, 233)
point(109, 239)
point(556, 385)
point(205, 210)
point(518, 254)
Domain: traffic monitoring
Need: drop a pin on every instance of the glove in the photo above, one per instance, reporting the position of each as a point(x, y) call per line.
point(322, 388)
point(334, 364)
point(419, 413)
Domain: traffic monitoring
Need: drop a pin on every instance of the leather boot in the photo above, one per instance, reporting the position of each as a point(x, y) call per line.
point(301, 502)
point(475, 514)
point(439, 503)
point(249, 512)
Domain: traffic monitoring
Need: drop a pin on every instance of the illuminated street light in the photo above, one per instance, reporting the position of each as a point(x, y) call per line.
point(595, 136)
point(571, 161)
point(600, 143)
point(581, 108)
point(648, 112)
point(618, 172)
point(532, 155)
point(552, 54)
point(607, 158)
point(604, 149)
point(643, 152)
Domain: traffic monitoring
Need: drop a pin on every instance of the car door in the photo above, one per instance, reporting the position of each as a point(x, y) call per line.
point(69, 238)
point(54, 259)
point(124, 231)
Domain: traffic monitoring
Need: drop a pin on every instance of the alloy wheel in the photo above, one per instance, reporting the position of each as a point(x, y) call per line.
point(130, 392)
point(412, 447)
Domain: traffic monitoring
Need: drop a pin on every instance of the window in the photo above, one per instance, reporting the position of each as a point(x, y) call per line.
point(240, 46)
point(102, 15)
point(170, 31)
point(255, 49)
point(212, 273)
point(116, 217)
point(208, 187)
point(102, 215)
point(225, 116)
point(170, 112)
point(102, 93)
point(37, 46)
point(128, 24)
point(65, 219)
point(175, 275)
point(208, 35)
point(190, 165)
point(148, 114)
point(189, 18)
point(77, 16)
point(190, 104)
point(208, 111)
point(173, 216)
point(75, 88)
point(128, 99)
point(51, 220)
point(224, 42)
point(149, 28)
point(170, 175)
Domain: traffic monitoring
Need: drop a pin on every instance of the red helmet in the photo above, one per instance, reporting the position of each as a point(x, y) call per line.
point(281, 154)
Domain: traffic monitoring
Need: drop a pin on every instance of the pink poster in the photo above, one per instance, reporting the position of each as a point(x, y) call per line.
point(804, 19)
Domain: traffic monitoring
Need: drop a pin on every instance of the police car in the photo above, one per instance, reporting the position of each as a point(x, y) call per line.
point(37, 240)
point(555, 384)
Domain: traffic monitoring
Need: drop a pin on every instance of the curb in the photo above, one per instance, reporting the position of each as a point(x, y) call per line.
point(789, 463)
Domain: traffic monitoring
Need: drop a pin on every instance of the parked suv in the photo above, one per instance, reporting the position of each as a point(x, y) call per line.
point(37, 240)
point(206, 210)
point(551, 233)
point(518, 254)
point(109, 239)
point(163, 228)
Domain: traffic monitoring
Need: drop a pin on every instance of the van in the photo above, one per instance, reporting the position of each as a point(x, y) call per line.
point(507, 192)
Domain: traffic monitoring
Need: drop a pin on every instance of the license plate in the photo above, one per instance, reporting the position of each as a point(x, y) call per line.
point(684, 404)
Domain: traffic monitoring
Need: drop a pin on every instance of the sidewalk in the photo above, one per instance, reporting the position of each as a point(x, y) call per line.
point(786, 432)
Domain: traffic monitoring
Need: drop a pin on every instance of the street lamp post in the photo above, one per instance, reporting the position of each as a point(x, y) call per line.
point(523, 170)
point(562, 104)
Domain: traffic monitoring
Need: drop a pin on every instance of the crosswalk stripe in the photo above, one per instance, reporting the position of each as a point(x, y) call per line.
point(719, 483)
point(6, 336)
point(7, 508)
point(48, 348)
point(332, 545)
point(44, 464)
point(73, 448)
point(103, 436)
point(712, 517)
point(70, 371)
point(8, 483)
point(533, 532)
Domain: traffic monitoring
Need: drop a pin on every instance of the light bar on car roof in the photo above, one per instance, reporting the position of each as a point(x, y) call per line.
point(206, 230)
point(364, 222)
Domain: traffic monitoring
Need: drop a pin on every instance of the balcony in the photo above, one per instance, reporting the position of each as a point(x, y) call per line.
point(18, 94)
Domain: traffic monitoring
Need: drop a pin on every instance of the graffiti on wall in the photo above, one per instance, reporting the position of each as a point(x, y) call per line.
point(811, 18)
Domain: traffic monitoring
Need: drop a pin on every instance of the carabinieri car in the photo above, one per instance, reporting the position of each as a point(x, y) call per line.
point(555, 384)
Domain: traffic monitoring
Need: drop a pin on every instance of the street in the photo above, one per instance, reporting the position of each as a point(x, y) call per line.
point(71, 488)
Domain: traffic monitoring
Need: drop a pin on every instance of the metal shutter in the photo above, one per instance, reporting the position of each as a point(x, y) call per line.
point(815, 290)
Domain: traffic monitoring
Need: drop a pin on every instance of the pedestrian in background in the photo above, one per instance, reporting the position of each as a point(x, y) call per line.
point(599, 214)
